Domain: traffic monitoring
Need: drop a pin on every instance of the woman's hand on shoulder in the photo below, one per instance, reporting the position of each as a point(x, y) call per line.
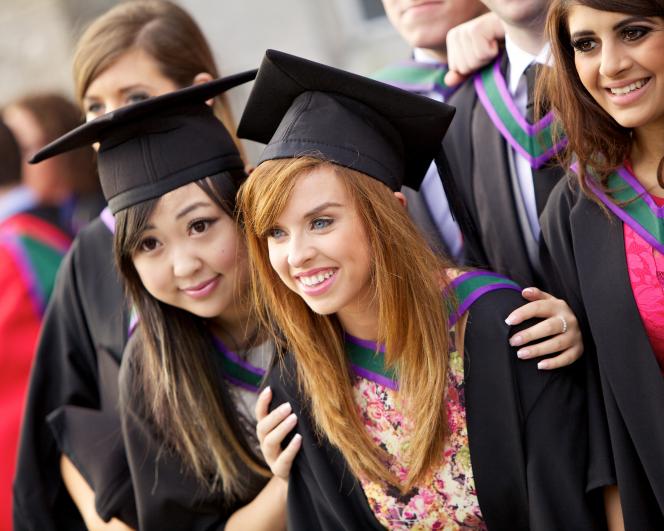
point(558, 324)
point(272, 428)
point(472, 45)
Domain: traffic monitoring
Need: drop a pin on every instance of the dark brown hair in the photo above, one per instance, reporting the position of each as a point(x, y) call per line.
point(57, 115)
point(192, 413)
point(10, 155)
point(595, 139)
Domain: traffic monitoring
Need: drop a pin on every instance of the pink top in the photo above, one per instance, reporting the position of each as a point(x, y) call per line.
point(646, 274)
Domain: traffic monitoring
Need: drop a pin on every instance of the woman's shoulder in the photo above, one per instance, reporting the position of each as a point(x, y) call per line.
point(565, 197)
point(480, 291)
point(489, 354)
point(487, 314)
point(282, 379)
point(93, 244)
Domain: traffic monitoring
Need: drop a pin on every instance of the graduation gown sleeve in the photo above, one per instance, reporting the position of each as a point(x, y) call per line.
point(323, 493)
point(92, 440)
point(168, 496)
point(86, 313)
point(526, 431)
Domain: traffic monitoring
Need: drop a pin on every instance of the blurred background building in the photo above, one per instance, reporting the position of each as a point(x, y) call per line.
point(37, 37)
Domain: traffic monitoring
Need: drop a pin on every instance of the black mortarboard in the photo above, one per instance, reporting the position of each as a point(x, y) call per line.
point(299, 107)
point(157, 145)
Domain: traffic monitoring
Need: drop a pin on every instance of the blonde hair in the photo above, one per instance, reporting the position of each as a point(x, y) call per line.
point(160, 28)
point(406, 280)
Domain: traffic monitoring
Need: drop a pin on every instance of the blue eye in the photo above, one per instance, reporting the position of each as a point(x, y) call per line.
point(321, 223)
point(94, 109)
point(137, 96)
point(275, 233)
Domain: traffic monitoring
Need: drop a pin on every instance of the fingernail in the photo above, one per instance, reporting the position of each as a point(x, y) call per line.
point(266, 390)
point(523, 353)
point(515, 341)
point(543, 365)
point(297, 438)
point(292, 418)
point(528, 291)
point(284, 407)
point(508, 321)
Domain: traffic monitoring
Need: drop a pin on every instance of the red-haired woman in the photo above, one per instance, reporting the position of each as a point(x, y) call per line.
point(400, 373)
point(605, 231)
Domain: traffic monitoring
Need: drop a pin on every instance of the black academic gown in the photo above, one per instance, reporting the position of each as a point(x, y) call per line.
point(71, 403)
point(585, 251)
point(478, 157)
point(527, 436)
point(421, 216)
point(168, 496)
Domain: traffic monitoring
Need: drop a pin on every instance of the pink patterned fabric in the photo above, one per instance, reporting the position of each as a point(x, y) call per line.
point(646, 273)
point(448, 500)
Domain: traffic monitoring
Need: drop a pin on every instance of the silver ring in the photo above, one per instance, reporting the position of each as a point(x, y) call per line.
point(564, 321)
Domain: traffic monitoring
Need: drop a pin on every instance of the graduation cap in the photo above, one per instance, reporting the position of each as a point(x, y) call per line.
point(298, 107)
point(152, 147)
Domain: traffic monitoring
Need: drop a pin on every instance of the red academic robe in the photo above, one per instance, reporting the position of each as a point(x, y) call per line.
point(30, 253)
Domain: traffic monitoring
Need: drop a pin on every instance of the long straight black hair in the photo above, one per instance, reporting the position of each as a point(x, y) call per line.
point(192, 413)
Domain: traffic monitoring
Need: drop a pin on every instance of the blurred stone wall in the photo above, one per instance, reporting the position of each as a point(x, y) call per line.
point(36, 42)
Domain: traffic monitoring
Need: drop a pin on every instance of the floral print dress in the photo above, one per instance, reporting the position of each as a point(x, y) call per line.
point(448, 500)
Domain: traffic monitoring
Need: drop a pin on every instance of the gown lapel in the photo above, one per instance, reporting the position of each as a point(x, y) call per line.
point(494, 202)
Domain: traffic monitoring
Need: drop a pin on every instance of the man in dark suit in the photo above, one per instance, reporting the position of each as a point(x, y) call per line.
point(424, 26)
point(500, 157)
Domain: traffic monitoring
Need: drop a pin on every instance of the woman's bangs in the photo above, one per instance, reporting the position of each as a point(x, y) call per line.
point(269, 188)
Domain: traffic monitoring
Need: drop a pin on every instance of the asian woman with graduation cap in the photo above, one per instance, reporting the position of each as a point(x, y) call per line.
point(135, 51)
point(604, 228)
point(170, 172)
point(411, 406)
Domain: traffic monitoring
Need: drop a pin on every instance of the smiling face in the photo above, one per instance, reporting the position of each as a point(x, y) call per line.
point(192, 256)
point(320, 250)
point(620, 62)
point(425, 23)
point(133, 77)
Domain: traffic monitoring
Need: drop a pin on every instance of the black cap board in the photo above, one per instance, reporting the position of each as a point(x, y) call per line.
point(299, 107)
point(152, 147)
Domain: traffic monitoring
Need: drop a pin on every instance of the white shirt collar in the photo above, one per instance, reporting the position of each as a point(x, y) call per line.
point(16, 200)
point(422, 56)
point(519, 61)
